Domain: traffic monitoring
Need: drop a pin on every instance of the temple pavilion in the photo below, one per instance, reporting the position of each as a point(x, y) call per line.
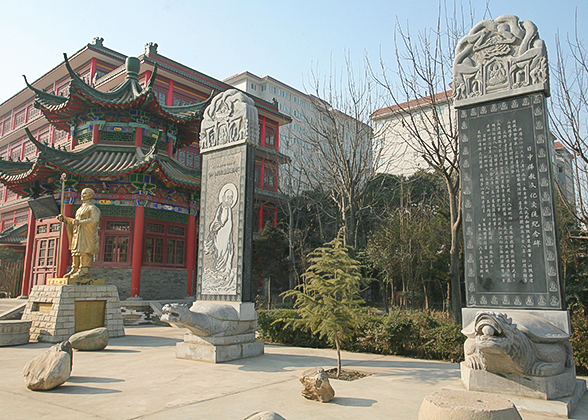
point(125, 144)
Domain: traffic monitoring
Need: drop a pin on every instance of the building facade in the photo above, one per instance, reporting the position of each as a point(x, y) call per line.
point(306, 140)
point(131, 136)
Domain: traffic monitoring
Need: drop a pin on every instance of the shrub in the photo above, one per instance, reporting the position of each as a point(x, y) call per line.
point(580, 342)
point(272, 328)
point(405, 333)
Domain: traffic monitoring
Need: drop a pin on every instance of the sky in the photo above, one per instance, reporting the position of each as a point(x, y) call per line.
point(288, 40)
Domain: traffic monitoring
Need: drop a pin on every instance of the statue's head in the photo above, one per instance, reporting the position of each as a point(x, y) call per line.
point(87, 194)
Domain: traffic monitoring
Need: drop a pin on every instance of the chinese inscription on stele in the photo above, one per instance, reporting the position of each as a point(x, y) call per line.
point(511, 258)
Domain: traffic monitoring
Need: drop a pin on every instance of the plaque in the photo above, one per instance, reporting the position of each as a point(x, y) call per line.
point(44, 207)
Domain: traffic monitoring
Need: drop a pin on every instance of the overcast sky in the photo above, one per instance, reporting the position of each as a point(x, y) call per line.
point(283, 39)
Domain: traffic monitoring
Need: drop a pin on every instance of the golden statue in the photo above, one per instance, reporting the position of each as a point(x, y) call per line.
point(82, 233)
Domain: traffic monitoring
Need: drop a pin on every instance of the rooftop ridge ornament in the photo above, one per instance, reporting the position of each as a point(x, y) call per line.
point(498, 58)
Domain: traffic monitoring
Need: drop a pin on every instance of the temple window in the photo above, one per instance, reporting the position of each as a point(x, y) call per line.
point(270, 137)
point(165, 244)
point(161, 97)
point(116, 241)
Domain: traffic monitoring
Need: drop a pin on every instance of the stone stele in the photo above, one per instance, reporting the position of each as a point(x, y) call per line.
point(316, 385)
point(90, 340)
point(466, 405)
point(50, 369)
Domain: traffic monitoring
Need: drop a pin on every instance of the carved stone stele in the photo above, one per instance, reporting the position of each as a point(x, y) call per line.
point(230, 119)
point(499, 56)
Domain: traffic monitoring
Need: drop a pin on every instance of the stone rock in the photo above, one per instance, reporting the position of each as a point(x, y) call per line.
point(264, 415)
point(316, 385)
point(50, 369)
point(90, 340)
point(450, 404)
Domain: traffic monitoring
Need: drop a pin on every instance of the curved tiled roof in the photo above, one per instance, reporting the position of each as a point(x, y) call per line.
point(61, 110)
point(97, 160)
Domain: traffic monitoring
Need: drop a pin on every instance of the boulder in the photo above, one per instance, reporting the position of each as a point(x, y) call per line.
point(315, 385)
point(264, 415)
point(50, 369)
point(90, 340)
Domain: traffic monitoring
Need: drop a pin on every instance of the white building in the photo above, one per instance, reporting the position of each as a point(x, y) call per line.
point(299, 107)
point(312, 118)
point(397, 126)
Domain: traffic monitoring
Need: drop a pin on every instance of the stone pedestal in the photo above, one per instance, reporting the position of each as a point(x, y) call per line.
point(57, 312)
point(78, 281)
point(219, 349)
point(462, 405)
point(540, 387)
point(14, 332)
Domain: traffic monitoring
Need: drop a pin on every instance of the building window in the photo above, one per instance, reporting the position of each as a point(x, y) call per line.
point(117, 235)
point(253, 86)
point(161, 97)
point(20, 118)
point(165, 244)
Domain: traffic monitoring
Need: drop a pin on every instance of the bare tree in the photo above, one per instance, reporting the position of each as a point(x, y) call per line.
point(569, 116)
point(340, 138)
point(423, 116)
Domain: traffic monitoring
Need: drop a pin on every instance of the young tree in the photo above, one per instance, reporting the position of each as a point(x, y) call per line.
point(424, 115)
point(329, 302)
point(570, 111)
point(270, 258)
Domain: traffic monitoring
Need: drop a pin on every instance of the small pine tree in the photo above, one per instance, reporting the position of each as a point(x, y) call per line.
point(328, 301)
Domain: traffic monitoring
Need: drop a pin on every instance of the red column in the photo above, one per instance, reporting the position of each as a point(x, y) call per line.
point(147, 77)
point(260, 216)
point(169, 146)
point(95, 134)
point(64, 243)
point(262, 140)
point(170, 94)
point(74, 141)
point(92, 70)
point(137, 250)
point(278, 138)
point(29, 255)
point(276, 217)
point(190, 253)
point(138, 136)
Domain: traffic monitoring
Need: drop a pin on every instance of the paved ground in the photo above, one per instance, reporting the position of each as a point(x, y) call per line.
point(138, 377)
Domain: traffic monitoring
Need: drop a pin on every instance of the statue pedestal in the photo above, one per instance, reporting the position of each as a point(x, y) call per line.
point(219, 349)
point(78, 281)
point(57, 312)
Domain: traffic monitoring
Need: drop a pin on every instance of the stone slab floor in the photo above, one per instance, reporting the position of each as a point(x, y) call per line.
point(138, 377)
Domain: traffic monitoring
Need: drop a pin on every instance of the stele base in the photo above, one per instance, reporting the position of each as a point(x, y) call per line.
point(552, 395)
point(53, 315)
point(219, 349)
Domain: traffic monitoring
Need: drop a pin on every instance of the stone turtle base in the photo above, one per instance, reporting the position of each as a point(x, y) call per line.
point(219, 349)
